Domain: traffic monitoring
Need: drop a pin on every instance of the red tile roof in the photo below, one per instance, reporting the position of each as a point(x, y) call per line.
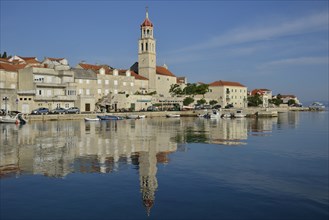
point(96, 68)
point(225, 83)
point(259, 91)
point(147, 22)
point(163, 71)
point(10, 67)
point(138, 77)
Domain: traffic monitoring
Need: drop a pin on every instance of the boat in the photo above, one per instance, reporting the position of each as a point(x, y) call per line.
point(17, 119)
point(317, 106)
point(239, 114)
point(172, 115)
point(213, 115)
point(109, 117)
point(92, 119)
point(135, 116)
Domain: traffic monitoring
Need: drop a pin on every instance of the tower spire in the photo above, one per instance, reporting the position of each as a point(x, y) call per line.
point(147, 11)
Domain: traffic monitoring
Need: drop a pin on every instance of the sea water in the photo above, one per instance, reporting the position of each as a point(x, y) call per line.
point(167, 168)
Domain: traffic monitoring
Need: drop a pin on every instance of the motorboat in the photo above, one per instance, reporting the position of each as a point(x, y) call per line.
point(172, 115)
point(92, 119)
point(135, 116)
point(213, 115)
point(17, 119)
point(317, 106)
point(109, 117)
point(239, 114)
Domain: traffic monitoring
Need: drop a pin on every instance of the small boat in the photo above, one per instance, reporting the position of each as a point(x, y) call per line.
point(92, 119)
point(317, 106)
point(135, 116)
point(172, 115)
point(213, 115)
point(109, 117)
point(239, 114)
point(17, 119)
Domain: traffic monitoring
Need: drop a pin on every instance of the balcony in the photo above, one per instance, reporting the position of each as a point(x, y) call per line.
point(55, 98)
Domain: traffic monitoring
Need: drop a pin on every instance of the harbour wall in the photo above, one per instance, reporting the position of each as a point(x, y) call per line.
point(250, 112)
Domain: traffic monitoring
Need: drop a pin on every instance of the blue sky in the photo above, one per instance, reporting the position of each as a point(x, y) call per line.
point(279, 45)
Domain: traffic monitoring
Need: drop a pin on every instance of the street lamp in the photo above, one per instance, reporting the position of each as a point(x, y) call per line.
point(5, 99)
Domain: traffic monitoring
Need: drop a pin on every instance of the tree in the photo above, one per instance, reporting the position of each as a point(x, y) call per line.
point(276, 101)
point(4, 55)
point(213, 102)
point(291, 102)
point(175, 90)
point(202, 89)
point(201, 101)
point(187, 101)
point(254, 100)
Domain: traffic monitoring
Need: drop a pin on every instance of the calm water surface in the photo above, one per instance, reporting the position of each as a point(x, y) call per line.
point(161, 168)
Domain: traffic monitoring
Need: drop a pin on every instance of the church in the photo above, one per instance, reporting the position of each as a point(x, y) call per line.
point(159, 77)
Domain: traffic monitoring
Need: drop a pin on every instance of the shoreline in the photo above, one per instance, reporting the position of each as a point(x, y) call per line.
point(250, 112)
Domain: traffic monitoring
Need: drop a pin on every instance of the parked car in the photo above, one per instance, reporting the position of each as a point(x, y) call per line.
point(58, 111)
point(216, 107)
point(75, 110)
point(229, 106)
point(40, 111)
point(152, 108)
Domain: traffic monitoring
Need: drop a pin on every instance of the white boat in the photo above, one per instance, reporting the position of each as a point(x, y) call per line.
point(213, 115)
point(135, 116)
point(239, 114)
point(317, 106)
point(172, 115)
point(92, 119)
point(17, 119)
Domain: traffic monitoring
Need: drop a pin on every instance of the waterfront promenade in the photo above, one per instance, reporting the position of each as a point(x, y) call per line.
point(250, 112)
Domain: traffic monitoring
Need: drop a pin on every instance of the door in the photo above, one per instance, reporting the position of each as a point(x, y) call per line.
point(87, 107)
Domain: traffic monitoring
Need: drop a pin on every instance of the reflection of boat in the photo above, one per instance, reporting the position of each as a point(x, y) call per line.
point(17, 119)
point(318, 106)
point(92, 119)
point(172, 115)
point(109, 117)
point(239, 114)
point(226, 115)
point(135, 116)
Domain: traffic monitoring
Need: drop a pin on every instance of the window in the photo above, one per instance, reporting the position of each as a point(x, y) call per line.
point(80, 81)
point(142, 46)
point(124, 83)
point(39, 92)
point(115, 91)
point(87, 91)
point(25, 99)
point(158, 77)
point(87, 81)
point(131, 84)
point(115, 82)
point(106, 91)
point(80, 91)
point(99, 81)
point(21, 99)
point(106, 82)
point(12, 86)
point(99, 91)
point(146, 46)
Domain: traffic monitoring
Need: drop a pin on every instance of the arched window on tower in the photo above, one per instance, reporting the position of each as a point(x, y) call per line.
point(146, 47)
point(142, 46)
point(148, 32)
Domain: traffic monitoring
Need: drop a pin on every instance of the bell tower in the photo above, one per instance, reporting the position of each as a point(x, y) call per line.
point(147, 53)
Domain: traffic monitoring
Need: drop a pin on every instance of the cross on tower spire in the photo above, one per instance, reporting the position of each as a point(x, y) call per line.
point(147, 11)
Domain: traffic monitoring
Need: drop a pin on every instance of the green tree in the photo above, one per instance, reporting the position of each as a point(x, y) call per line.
point(201, 101)
point(276, 101)
point(187, 101)
point(291, 102)
point(213, 102)
point(175, 89)
point(202, 89)
point(4, 55)
point(254, 100)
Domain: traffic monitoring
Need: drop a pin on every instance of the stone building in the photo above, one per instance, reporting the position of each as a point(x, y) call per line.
point(225, 92)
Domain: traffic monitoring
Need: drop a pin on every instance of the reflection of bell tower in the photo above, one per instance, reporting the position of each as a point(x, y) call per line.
point(146, 53)
point(148, 180)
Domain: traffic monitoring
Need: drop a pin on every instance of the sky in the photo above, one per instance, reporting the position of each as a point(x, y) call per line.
point(277, 45)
